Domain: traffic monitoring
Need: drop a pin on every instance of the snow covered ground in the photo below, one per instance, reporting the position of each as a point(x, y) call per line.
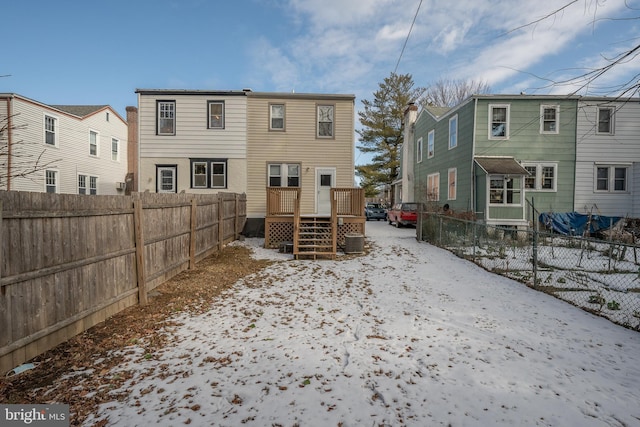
point(408, 334)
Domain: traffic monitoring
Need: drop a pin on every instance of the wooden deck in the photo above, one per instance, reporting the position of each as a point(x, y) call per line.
point(313, 236)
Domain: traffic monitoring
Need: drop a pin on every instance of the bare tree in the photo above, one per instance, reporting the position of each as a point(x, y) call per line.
point(585, 79)
point(16, 161)
point(449, 93)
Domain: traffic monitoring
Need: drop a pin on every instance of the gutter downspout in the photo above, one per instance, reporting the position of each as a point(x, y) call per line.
point(9, 142)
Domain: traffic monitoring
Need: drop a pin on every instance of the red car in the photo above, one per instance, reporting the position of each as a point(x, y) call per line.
point(403, 214)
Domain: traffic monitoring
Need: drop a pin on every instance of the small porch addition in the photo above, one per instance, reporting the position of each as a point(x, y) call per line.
point(311, 234)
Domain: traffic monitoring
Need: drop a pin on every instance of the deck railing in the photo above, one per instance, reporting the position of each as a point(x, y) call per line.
point(282, 200)
point(348, 201)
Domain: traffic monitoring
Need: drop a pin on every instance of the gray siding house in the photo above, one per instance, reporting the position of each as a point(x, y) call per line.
point(608, 157)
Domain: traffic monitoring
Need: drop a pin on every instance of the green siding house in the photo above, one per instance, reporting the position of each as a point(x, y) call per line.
point(493, 154)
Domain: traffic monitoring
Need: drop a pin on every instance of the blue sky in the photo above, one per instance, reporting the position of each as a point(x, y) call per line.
point(88, 52)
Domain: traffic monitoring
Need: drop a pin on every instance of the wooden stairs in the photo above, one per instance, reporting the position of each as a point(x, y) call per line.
point(314, 237)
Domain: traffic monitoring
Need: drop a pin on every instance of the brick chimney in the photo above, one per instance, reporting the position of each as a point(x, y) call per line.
point(132, 149)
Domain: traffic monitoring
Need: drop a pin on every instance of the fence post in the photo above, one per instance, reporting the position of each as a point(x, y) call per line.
point(139, 240)
point(192, 236)
point(235, 220)
point(220, 222)
point(475, 239)
point(1, 240)
point(534, 254)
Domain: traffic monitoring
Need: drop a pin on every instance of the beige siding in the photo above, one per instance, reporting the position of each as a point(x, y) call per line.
point(236, 175)
point(297, 144)
point(193, 138)
point(71, 156)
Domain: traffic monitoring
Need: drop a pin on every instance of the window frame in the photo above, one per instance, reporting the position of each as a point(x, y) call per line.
point(611, 121)
point(433, 183)
point(453, 137)
point(174, 171)
point(93, 185)
point(55, 174)
point(452, 185)
point(331, 122)
point(271, 117)
point(507, 108)
point(543, 120)
point(507, 193)
point(97, 143)
point(539, 178)
point(209, 172)
point(82, 183)
point(611, 178)
point(159, 118)
point(210, 104)
point(419, 145)
point(54, 132)
point(431, 141)
point(117, 151)
point(284, 176)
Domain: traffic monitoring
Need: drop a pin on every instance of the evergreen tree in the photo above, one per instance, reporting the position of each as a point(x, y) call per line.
point(382, 131)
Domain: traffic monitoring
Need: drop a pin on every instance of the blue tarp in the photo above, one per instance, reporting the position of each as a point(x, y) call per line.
point(575, 224)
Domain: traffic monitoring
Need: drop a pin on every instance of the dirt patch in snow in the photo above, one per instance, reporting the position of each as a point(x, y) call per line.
point(77, 372)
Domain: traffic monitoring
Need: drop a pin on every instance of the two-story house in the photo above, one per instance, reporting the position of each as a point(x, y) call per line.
point(79, 149)
point(493, 154)
point(281, 149)
point(192, 140)
point(608, 157)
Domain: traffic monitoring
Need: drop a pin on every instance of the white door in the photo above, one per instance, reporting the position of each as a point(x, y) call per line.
point(325, 179)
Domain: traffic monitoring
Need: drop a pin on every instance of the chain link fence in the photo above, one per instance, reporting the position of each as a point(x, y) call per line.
point(600, 276)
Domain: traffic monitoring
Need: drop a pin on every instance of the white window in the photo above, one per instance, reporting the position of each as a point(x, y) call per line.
point(93, 185)
point(453, 178)
point(166, 111)
point(504, 190)
point(431, 137)
point(433, 187)
point(94, 143)
point(283, 175)
point(325, 121)
point(199, 174)
point(208, 173)
point(498, 121)
point(166, 179)
point(611, 178)
point(51, 131)
point(216, 114)
point(82, 184)
point(605, 120)
point(276, 112)
point(542, 176)
point(453, 132)
point(549, 118)
point(51, 181)
point(419, 151)
point(218, 174)
point(115, 149)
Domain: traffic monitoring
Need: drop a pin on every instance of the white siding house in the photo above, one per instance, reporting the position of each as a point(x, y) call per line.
point(79, 149)
point(608, 157)
point(192, 140)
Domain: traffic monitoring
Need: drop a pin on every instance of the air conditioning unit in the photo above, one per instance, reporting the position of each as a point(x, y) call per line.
point(121, 185)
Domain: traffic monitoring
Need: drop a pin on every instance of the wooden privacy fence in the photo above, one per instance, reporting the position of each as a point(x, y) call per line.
point(68, 262)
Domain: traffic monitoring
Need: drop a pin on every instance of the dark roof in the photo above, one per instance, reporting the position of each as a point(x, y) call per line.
point(501, 165)
point(79, 110)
